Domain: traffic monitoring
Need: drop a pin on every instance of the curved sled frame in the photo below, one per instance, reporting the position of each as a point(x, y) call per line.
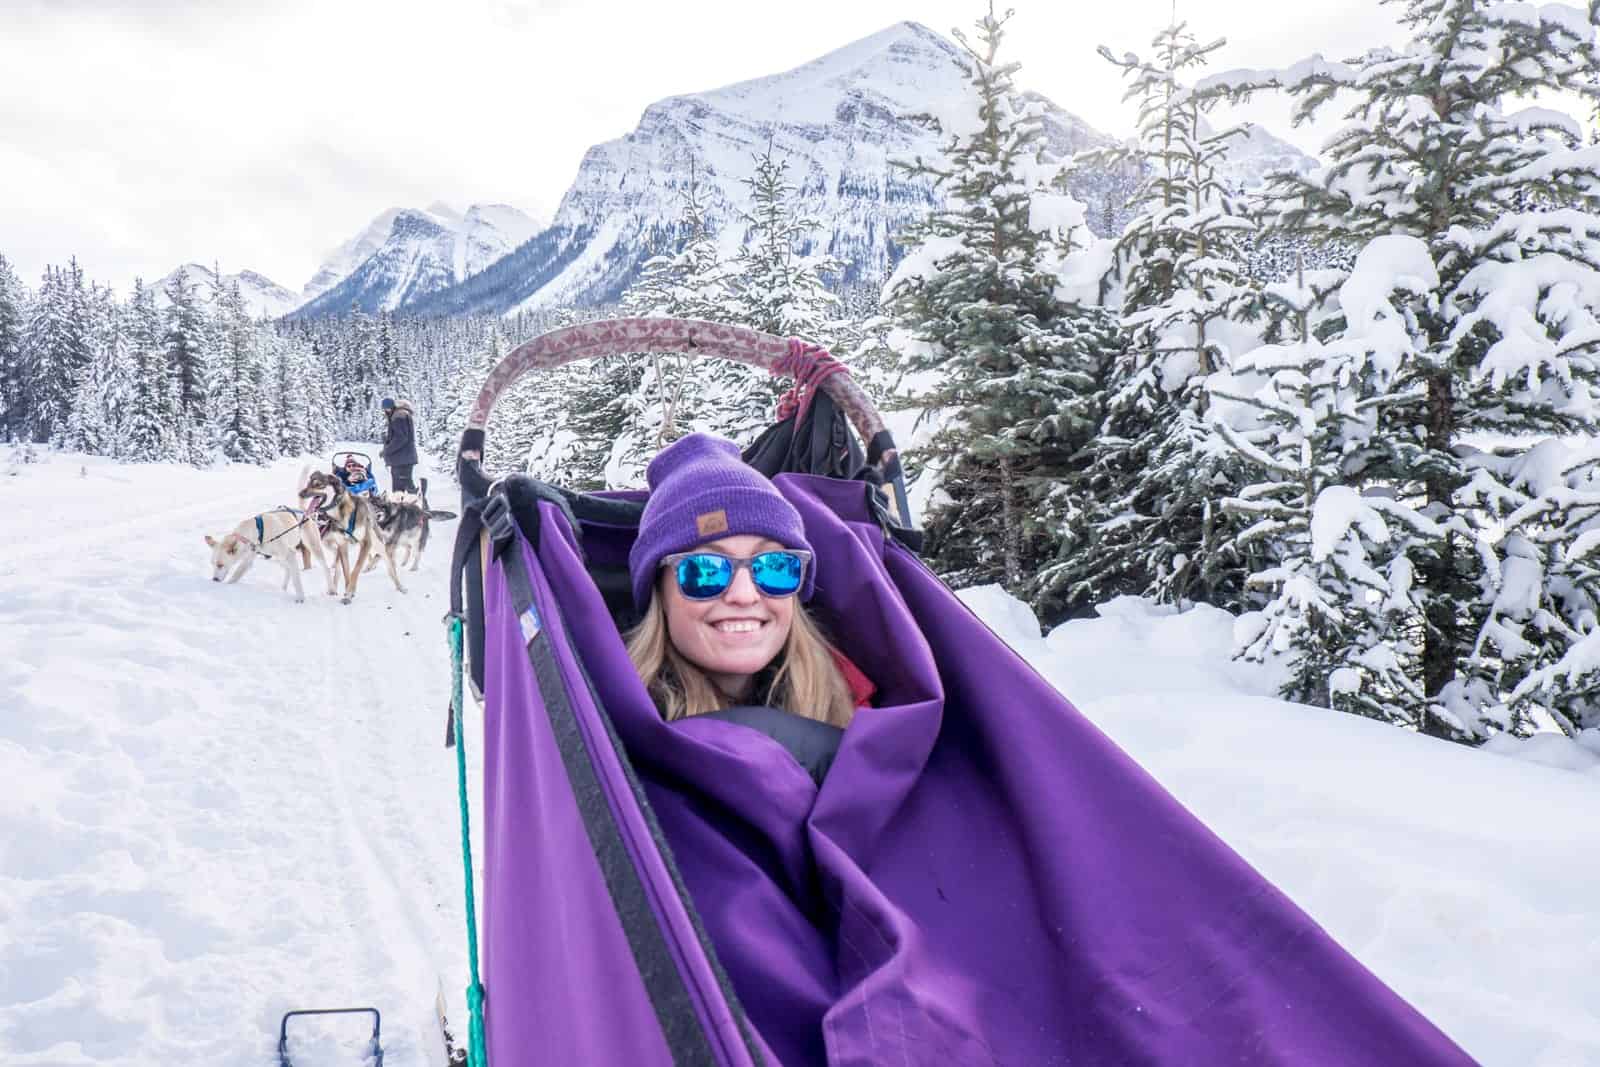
point(688, 337)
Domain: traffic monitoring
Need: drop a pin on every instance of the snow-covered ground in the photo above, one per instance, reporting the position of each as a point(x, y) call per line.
point(221, 805)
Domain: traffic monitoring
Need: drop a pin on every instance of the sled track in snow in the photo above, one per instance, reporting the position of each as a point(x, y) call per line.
point(253, 791)
point(96, 536)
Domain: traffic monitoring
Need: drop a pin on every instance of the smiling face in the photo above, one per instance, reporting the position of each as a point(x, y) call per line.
point(736, 635)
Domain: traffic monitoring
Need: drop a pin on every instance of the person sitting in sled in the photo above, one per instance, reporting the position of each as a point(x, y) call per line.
point(356, 477)
point(721, 569)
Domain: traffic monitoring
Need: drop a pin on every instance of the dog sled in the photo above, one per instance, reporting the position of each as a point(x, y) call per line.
point(354, 469)
point(981, 878)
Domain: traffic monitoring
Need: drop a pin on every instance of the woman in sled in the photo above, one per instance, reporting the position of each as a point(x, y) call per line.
point(721, 570)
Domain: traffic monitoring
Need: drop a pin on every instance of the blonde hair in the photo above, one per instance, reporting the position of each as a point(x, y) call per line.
point(808, 682)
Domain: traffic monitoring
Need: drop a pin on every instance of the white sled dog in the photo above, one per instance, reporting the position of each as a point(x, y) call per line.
point(288, 536)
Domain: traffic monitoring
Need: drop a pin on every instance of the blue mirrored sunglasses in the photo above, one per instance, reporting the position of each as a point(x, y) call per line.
point(707, 575)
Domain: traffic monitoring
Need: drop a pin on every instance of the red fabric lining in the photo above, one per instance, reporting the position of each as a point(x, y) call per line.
point(862, 688)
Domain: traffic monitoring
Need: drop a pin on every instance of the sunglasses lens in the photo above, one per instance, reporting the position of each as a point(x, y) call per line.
point(777, 573)
point(704, 575)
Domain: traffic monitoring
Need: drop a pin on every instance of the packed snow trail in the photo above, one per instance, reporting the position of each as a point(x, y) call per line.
point(224, 804)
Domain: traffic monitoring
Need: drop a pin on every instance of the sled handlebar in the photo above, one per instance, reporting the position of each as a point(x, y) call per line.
point(689, 337)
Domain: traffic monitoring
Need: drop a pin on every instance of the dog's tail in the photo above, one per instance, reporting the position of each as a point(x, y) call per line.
point(442, 516)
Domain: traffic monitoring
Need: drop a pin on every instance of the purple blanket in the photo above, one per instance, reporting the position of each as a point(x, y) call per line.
point(983, 877)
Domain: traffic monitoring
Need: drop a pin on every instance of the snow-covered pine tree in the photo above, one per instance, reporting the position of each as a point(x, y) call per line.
point(386, 355)
point(1095, 341)
point(1301, 418)
point(151, 418)
point(111, 338)
point(993, 355)
point(1508, 204)
point(1150, 521)
point(615, 434)
point(237, 384)
point(319, 409)
point(290, 388)
point(780, 286)
point(14, 395)
point(95, 425)
point(186, 339)
point(57, 351)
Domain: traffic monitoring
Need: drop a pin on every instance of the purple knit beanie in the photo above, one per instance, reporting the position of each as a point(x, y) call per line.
point(700, 490)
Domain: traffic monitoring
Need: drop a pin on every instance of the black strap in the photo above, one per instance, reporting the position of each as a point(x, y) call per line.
point(663, 982)
point(465, 581)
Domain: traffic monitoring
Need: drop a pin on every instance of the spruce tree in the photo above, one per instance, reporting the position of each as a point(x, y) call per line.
point(1301, 418)
point(98, 409)
point(994, 355)
point(1151, 524)
point(1506, 202)
point(56, 351)
point(151, 419)
point(185, 339)
point(14, 394)
point(238, 393)
point(637, 403)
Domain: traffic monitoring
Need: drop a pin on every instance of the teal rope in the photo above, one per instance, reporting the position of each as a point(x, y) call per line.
point(477, 1054)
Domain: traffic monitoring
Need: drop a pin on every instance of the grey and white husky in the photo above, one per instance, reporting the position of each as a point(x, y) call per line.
point(402, 521)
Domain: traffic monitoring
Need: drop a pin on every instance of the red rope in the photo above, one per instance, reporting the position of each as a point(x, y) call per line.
point(809, 365)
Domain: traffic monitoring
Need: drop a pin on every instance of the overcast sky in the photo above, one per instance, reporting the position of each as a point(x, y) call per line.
point(140, 134)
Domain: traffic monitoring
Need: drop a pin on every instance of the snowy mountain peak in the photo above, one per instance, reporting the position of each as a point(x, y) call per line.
point(339, 263)
point(406, 253)
point(263, 297)
point(443, 211)
point(891, 65)
point(840, 122)
point(1257, 153)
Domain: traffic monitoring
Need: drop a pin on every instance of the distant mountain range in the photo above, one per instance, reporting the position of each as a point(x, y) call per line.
point(839, 121)
point(263, 297)
point(405, 255)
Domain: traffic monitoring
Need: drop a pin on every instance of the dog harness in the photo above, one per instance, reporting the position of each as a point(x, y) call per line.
point(262, 540)
point(324, 524)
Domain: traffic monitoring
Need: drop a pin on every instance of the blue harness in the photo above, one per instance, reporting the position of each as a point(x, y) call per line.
point(261, 528)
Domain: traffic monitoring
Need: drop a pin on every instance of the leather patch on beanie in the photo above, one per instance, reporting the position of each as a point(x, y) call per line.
point(711, 522)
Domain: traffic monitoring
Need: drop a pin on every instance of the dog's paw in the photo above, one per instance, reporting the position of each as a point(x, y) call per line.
point(345, 599)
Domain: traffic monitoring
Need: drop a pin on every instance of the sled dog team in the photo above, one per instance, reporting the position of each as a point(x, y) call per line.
point(331, 523)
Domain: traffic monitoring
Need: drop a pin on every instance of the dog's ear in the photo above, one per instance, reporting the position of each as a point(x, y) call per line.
point(212, 541)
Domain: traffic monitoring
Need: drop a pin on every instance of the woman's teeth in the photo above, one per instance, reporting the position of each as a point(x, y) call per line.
point(738, 626)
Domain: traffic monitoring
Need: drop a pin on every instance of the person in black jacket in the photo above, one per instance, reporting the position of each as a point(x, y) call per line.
point(400, 443)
